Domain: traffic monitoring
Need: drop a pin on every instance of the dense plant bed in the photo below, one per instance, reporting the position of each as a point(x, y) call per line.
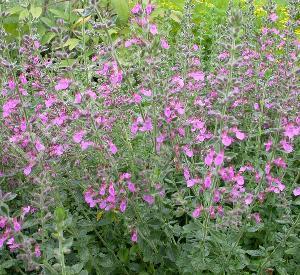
point(147, 142)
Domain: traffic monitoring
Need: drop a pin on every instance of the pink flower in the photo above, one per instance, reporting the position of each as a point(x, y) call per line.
point(78, 136)
point(88, 197)
point(188, 151)
point(62, 84)
point(39, 146)
point(287, 147)
point(273, 17)
point(123, 205)
point(296, 191)
point(197, 76)
point(10, 106)
point(192, 182)
point(149, 199)
point(77, 99)
point(3, 221)
point(209, 157)
point(136, 9)
point(197, 212)
point(153, 29)
point(240, 135)
point(249, 199)
point(131, 187)
point(146, 92)
point(226, 140)
point(113, 148)
point(256, 217)
point(134, 236)
point(37, 251)
point(268, 145)
point(17, 225)
point(219, 158)
point(164, 44)
point(207, 182)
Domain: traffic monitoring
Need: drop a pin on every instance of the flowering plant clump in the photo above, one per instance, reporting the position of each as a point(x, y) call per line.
point(146, 153)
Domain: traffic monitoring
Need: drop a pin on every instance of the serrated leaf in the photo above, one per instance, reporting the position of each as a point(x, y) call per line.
point(36, 12)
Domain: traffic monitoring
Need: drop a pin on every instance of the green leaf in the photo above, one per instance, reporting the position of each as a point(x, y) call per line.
point(72, 43)
point(60, 214)
point(36, 12)
point(121, 9)
point(47, 37)
point(23, 14)
point(16, 9)
point(47, 22)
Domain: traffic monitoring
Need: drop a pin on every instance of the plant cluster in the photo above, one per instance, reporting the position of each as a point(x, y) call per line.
point(147, 153)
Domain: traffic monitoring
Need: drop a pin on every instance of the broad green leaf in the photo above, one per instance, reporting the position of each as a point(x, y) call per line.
point(47, 21)
point(23, 14)
point(36, 12)
point(72, 43)
point(122, 10)
point(47, 37)
point(16, 9)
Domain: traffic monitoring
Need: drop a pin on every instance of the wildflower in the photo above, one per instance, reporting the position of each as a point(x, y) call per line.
point(296, 191)
point(219, 158)
point(149, 199)
point(37, 251)
point(226, 140)
point(134, 236)
point(287, 147)
point(273, 17)
point(136, 9)
point(268, 145)
point(62, 84)
point(209, 157)
point(164, 44)
point(197, 212)
point(9, 107)
point(123, 205)
point(153, 29)
point(17, 225)
point(78, 136)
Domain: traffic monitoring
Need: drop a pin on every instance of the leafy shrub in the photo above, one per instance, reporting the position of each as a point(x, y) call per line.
point(135, 150)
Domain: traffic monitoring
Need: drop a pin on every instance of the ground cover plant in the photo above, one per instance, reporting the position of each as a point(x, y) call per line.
point(141, 139)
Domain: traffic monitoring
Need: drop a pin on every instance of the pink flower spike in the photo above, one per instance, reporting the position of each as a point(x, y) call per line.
point(188, 151)
point(296, 191)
